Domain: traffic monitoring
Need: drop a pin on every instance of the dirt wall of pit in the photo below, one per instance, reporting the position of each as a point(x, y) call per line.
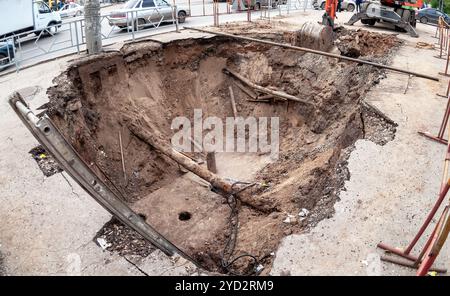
point(96, 98)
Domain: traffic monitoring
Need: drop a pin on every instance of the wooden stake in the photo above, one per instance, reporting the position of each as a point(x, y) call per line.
point(247, 91)
point(122, 157)
point(211, 162)
point(265, 97)
point(233, 102)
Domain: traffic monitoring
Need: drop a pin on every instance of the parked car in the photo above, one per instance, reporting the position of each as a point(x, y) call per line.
point(6, 54)
point(257, 4)
point(162, 12)
point(348, 5)
point(71, 10)
point(431, 15)
point(21, 16)
point(265, 3)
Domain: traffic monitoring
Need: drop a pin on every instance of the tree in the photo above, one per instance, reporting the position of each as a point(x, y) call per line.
point(445, 4)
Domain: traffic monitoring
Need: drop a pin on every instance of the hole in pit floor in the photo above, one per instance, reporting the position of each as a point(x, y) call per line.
point(184, 216)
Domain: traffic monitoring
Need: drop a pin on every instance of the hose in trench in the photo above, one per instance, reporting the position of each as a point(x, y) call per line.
point(230, 245)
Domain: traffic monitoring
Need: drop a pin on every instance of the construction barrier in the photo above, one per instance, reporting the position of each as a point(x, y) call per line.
point(435, 241)
point(444, 44)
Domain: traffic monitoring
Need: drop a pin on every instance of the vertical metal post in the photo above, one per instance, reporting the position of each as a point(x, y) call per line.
point(445, 39)
point(249, 14)
point(76, 37)
point(288, 6)
point(448, 54)
point(203, 7)
point(132, 25)
point(175, 17)
point(15, 58)
point(71, 34)
point(440, 41)
point(214, 12)
point(20, 47)
point(217, 12)
point(190, 10)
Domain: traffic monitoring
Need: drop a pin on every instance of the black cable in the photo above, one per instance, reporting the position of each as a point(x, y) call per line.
point(230, 245)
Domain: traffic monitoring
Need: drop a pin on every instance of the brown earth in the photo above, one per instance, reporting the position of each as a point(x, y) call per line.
point(96, 97)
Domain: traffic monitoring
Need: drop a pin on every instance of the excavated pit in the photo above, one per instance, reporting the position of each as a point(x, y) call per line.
point(97, 97)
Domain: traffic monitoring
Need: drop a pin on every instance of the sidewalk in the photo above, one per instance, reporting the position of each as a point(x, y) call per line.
point(391, 188)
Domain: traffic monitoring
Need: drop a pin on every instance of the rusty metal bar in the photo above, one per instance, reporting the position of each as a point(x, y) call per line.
point(444, 124)
point(313, 51)
point(427, 252)
point(436, 240)
point(409, 264)
point(447, 50)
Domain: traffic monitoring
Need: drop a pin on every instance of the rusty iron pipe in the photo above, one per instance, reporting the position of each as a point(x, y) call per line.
point(409, 264)
point(313, 51)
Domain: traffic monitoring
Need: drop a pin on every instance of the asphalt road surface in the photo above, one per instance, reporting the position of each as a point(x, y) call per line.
point(33, 49)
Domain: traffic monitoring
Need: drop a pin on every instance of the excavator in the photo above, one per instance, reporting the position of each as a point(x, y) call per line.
point(399, 13)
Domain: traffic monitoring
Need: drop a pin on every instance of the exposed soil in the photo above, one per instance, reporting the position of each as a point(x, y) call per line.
point(95, 99)
point(357, 43)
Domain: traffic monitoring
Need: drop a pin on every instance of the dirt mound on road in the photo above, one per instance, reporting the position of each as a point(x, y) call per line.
point(357, 43)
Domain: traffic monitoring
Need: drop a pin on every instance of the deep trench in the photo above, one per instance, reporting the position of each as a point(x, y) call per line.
point(95, 99)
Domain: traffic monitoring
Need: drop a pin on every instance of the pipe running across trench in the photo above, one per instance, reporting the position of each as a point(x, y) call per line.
point(323, 53)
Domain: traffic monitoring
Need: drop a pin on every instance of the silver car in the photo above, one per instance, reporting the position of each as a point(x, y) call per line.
point(146, 12)
point(71, 10)
point(348, 5)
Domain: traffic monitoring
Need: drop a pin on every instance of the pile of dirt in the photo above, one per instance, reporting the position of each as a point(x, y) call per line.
point(357, 43)
point(96, 99)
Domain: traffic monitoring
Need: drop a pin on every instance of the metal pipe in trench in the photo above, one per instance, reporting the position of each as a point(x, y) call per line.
point(323, 53)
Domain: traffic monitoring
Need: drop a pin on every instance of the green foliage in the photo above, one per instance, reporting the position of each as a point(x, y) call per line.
point(435, 4)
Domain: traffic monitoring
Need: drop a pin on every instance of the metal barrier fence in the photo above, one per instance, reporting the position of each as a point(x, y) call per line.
point(231, 6)
point(69, 37)
point(443, 32)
